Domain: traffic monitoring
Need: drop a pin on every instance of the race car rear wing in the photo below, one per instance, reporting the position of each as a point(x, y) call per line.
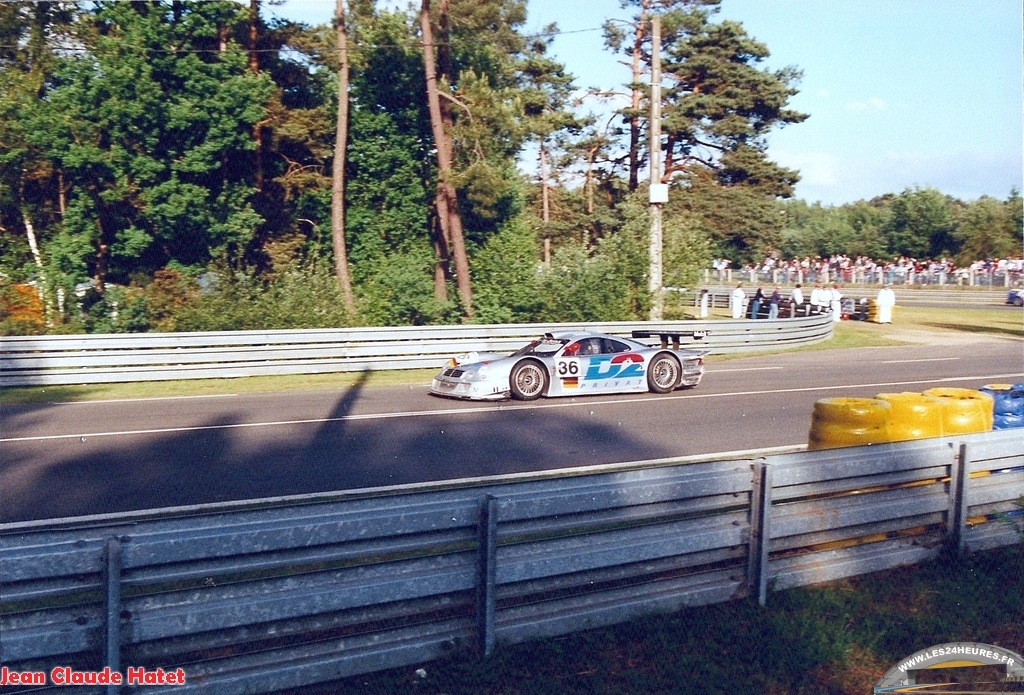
point(673, 336)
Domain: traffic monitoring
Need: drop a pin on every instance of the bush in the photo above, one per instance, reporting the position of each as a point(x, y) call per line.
point(117, 310)
point(299, 297)
point(400, 292)
point(506, 279)
point(21, 310)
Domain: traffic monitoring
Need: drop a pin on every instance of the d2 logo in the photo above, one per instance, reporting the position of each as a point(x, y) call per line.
point(621, 366)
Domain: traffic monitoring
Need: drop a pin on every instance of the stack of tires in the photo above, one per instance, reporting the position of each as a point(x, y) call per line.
point(873, 310)
point(838, 422)
point(913, 416)
point(897, 417)
point(1009, 405)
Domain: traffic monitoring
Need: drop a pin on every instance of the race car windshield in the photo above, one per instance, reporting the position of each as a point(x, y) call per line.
point(547, 346)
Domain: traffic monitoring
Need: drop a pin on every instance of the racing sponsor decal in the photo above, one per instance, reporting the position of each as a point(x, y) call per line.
point(624, 365)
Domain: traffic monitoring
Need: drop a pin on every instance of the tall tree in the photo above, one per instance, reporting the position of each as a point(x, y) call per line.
point(720, 106)
point(340, 150)
point(446, 201)
point(152, 125)
point(547, 89)
point(31, 189)
point(633, 39)
point(921, 225)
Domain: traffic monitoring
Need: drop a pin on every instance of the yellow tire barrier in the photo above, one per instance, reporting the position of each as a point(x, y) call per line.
point(913, 416)
point(898, 417)
point(873, 310)
point(839, 422)
point(964, 411)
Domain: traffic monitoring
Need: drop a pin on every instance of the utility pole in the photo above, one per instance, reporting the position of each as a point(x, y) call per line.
point(658, 190)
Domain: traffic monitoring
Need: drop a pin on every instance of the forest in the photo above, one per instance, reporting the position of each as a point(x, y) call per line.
point(173, 165)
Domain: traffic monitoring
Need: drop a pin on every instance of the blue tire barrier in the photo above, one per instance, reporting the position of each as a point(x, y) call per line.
point(1008, 406)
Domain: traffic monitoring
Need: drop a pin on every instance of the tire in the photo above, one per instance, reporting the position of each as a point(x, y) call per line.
point(964, 411)
point(528, 380)
point(839, 422)
point(663, 374)
point(1019, 301)
point(913, 416)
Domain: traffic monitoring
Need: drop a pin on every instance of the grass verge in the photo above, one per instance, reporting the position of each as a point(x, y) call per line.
point(835, 639)
point(848, 334)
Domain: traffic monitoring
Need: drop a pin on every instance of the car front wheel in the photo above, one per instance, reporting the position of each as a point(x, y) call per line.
point(663, 374)
point(528, 381)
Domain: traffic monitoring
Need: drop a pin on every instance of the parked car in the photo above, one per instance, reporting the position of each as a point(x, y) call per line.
point(572, 364)
point(1015, 297)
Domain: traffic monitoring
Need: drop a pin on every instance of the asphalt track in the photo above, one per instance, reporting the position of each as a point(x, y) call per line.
point(72, 459)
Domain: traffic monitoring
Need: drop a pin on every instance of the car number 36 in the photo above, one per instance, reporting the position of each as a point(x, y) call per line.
point(568, 367)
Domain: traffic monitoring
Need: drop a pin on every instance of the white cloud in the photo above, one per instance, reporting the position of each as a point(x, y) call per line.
point(967, 175)
point(817, 169)
point(872, 105)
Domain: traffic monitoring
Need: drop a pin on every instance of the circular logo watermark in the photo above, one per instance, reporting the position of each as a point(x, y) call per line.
point(901, 678)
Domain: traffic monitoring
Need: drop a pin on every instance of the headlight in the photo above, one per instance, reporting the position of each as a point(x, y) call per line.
point(477, 372)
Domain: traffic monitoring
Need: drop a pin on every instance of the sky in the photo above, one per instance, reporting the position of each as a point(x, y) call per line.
point(900, 93)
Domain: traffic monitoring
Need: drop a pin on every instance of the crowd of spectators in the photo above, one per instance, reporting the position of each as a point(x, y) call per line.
point(901, 270)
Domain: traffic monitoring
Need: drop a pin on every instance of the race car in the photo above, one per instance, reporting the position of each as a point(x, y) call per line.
point(572, 364)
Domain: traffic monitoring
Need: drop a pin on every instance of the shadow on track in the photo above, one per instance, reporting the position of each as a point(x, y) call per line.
point(218, 462)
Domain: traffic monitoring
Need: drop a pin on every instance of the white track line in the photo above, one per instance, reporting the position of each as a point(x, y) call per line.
point(928, 359)
point(497, 408)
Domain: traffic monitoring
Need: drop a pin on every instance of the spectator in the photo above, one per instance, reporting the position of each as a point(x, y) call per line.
point(886, 301)
point(819, 300)
point(796, 300)
point(773, 303)
point(836, 303)
point(755, 305)
point(737, 299)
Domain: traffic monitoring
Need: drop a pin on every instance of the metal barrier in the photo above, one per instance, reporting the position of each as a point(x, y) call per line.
point(719, 296)
point(94, 359)
point(961, 277)
point(264, 595)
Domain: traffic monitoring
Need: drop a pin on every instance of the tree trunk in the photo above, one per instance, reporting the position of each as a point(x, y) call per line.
point(30, 232)
point(636, 97)
point(62, 204)
point(338, 170)
point(446, 198)
point(254, 67)
point(545, 208)
point(442, 221)
point(441, 255)
point(102, 255)
point(254, 13)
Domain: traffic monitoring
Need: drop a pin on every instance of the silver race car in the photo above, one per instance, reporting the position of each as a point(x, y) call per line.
point(571, 364)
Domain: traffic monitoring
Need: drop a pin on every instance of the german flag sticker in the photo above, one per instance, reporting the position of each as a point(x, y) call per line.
point(571, 382)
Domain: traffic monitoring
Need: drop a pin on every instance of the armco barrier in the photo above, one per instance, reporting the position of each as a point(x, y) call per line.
point(905, 296)
point(94, 359)
point(265, 595)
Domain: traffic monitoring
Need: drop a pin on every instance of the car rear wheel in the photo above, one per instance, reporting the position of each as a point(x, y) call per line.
point(663, 374)
point(528, 381)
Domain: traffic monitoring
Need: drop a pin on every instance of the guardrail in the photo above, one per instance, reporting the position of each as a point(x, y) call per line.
point(963, 277)
point(93, 359)
point(905, 296)
point(272, 594)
